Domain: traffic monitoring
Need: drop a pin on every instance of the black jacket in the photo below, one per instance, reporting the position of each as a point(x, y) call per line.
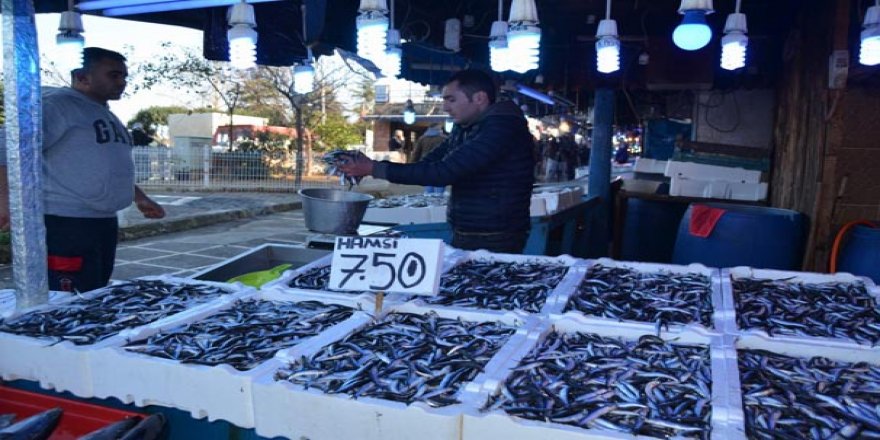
point(490, 165)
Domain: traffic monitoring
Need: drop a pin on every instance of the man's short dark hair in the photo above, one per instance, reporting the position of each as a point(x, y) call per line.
point(471, 81)
point(93, 55)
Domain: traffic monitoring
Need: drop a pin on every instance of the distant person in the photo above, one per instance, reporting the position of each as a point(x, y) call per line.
point(487, 159)
point(397, 141)
point(88, 174)
point(432, 137)
point(621, 156)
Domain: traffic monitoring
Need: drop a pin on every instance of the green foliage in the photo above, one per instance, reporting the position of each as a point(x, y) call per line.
point(151, 118)
point(265, 142)
point(335, 133)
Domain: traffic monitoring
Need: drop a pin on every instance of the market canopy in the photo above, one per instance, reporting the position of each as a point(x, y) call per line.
point(568, 55)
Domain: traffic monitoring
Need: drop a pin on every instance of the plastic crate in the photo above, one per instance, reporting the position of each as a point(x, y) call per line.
point(77, 420)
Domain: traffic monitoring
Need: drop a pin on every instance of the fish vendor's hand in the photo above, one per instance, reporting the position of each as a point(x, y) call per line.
point(357, 166)
point(149, 208)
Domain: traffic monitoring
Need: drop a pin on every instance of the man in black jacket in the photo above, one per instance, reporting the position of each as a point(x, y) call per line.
point(487, 159)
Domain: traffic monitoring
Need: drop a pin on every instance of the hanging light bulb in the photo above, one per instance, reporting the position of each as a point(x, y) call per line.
point(409, 112)
point(693, 33)
point(372, 26)
point(869, 52)
point(607, 47)
point(69, 42)
point(523, 36)
point(304, 74)
point(734, 42)
point(449, 125)
point(499, 55)
point(242, 36)
point(393, 54)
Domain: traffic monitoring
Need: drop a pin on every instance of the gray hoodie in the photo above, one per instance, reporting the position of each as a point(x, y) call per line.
point(87, 165)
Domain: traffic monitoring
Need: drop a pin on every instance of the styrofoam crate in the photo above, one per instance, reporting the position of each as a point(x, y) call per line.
point(729, 318)
point(802, 349)
point(437, 214)
point(537, 206)
point(65, 366)
point(214, 392)
point(651, 166)
point(713, 274)
point(551, 305)
point(8, 300)
point(285, 409)
point(746, 191)
point(698, 171)
point(687, 187)
point(402, 215)
point(478, 424)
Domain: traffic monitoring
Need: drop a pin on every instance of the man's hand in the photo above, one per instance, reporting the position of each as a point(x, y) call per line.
point(150, 208)
point(358, 166)
point(146, 205)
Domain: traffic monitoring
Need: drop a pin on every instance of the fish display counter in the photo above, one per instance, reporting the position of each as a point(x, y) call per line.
point(53, 343)
point(513, 346)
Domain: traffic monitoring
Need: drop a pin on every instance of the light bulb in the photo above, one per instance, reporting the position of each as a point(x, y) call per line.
point(393, 54)
point(69, 47)
point(69, 42)
point(607, 47)
point(608, 55)
point(242, 46)
point(869, 51)
point(409, 113)
point(523, 43)
point(499, 55)
point(693, 33)
point(372, 28)
point(242, 36)
point(303, 78)
point(733, 50)
point(449, 125)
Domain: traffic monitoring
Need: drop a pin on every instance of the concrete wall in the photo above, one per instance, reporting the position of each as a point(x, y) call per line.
point(742, 117)
point(203, 125)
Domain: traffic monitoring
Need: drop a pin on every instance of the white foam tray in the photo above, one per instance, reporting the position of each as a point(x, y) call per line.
point(731, 327)
point(801, 349)
point(289, 410)
point(552, 304)
point(8, 300)
point(401, 215)
point(716, 294)
point(497, 424)
point(65, 366)
point(214, 392)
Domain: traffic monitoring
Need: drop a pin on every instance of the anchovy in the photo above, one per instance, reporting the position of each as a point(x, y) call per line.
point(499, 285)
point(316, 278)
point(403, 357)
point(36, 427)
point(645, 387)
point(629, 295)
point(785, 307)
point(116, 308)
point(840, 399)
point(244, 335)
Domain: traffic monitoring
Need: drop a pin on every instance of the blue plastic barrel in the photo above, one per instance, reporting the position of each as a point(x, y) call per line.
point(860, 253)
point(650, 229)
point(760, 237)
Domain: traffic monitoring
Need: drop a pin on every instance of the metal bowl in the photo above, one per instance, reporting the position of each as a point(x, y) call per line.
point(333, 211)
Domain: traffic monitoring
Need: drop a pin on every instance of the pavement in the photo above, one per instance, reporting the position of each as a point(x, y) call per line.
point(201, 230)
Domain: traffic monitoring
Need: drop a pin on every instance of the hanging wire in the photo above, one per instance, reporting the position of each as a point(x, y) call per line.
point(501, 10)
point(306, 34)
point(738, 4)
point(608, 9)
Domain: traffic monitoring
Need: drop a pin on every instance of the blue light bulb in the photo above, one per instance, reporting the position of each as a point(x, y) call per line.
point(693, 33)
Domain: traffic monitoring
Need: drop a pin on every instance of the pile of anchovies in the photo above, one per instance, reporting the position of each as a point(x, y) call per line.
point(832, 310)
point(644, 387)
point(403, 357)
point(128, 305)
point(663, 298)
point(499, 285)
point(316, 278)
point(794, 398)
point(409, 201)
point(244, 335)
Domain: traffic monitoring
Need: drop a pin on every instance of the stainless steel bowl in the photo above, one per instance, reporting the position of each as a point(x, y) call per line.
point(333, 211)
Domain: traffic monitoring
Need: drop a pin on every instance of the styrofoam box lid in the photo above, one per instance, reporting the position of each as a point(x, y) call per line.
point(518, 428)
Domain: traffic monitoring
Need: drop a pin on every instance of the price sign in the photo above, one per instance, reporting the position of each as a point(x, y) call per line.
point(387, 264)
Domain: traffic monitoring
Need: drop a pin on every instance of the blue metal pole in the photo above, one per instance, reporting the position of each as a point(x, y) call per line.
point(21, 63)
point(600, 173)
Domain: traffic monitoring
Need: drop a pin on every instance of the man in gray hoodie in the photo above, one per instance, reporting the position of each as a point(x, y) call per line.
point(88, 174)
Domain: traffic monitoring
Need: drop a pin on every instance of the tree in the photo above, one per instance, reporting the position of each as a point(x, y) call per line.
point(336, 132)
point(151, 118)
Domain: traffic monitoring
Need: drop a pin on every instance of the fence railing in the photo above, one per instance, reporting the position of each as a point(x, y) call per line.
point(198, 168)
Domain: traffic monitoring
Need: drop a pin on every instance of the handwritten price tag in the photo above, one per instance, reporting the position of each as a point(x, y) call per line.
point(387, 264)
